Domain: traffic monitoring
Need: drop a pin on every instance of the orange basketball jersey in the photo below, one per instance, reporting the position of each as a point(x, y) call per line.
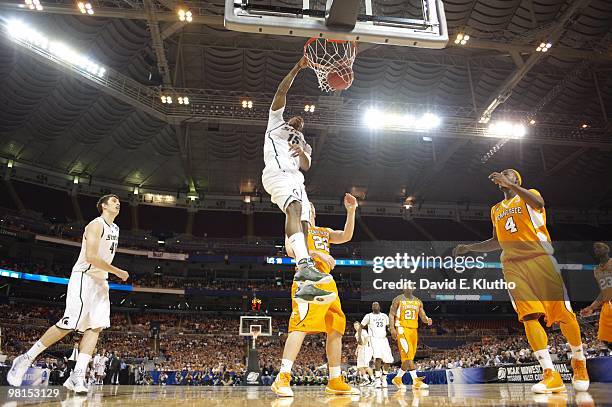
point(318, 240)
point(407, 315)
point(521, 229)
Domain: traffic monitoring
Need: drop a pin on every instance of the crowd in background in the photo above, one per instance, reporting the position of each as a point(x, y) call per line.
point(206, 350)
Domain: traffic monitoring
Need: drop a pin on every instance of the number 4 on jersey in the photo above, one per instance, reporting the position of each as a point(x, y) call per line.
point(510, 225)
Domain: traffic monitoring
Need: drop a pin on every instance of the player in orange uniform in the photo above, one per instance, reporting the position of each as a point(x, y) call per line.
point(603, 275)
point(325, 313)
point(519, 229)
point(404, 316)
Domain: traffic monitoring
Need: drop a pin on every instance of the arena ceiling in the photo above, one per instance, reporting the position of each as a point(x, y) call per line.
point(53, 119)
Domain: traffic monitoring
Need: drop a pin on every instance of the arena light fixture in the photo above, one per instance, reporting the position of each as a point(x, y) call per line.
point(9, 164)
point(375, 118)
point(584, 126)
point(75, 180)
point(309, 108)
point(247, 103)
point(33, 5)
point(166, 99)
point(462, 38)
point(183, 100)
point(185, 15)
point(532, 122)
point(544, 47)
point(504, 129)
point(54, 50)
point(85, 7)
point(135, 190)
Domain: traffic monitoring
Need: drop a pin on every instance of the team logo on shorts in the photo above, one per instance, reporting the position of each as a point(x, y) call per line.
point(65, 321)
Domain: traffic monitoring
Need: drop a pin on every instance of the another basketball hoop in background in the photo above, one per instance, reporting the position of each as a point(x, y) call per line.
point(332, 61)
point(255, 331)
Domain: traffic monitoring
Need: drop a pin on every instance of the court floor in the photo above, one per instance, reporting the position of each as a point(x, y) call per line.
point(599, 394)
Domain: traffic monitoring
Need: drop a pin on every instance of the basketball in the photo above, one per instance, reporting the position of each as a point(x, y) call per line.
point(340, 81)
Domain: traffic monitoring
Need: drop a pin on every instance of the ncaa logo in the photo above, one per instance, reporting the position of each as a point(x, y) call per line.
point(252, 377)
point(502, 373)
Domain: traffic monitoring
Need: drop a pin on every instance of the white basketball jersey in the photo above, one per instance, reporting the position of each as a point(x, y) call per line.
point(106, 250)
point(365, 339)
point(377, 324)
point(279, 136)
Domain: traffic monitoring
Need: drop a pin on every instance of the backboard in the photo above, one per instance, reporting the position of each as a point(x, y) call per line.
point(261, 324)
point(414, 23)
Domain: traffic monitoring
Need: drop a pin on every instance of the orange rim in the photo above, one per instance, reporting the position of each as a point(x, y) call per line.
point(312, 39)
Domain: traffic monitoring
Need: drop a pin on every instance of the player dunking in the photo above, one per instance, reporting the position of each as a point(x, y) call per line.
point(87, 300)
point(519, 229)
point(307, 318)
point(404, 316)
point(286, 155)
point(603, 275)
point(377, 323)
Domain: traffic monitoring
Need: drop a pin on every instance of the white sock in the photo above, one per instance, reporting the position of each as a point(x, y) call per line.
point(286, 366)
point(298, 244)
point(334, 372)
point(35, 350)
point(543, 357)
point(82, 362)
point(413, 374)
point(577, 352)
point(400, 373)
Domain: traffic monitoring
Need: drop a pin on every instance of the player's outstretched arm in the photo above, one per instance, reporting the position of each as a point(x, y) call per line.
point(488, 245)
point(280, 98)
point(596, 305)
point(93, 234)
point(343, 236)
point(533, 198)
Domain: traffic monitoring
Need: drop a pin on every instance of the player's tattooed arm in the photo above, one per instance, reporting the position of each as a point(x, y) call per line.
point(345, 235)
point(93, 235)
point(280, 98)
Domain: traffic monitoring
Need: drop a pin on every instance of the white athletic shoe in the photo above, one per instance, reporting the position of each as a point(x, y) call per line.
point(76, 383)
point(18, 370)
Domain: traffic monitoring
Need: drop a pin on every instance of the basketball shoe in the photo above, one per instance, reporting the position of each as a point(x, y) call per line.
point(551, 383)
point(282, 385)
point(337, 385)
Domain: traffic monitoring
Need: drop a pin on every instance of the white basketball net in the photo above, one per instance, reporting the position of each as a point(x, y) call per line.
point(326, 56)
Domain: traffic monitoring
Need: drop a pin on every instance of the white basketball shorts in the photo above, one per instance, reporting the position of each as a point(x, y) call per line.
point(87, 304)
point(285, 187)
point(381, 349)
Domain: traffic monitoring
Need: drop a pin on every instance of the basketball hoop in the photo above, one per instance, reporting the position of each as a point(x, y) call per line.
point(332, 61)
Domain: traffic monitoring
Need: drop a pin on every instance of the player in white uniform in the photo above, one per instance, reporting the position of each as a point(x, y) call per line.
point(87, 301)
point(286, 155)
point(377, 323)
point(364, 354)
